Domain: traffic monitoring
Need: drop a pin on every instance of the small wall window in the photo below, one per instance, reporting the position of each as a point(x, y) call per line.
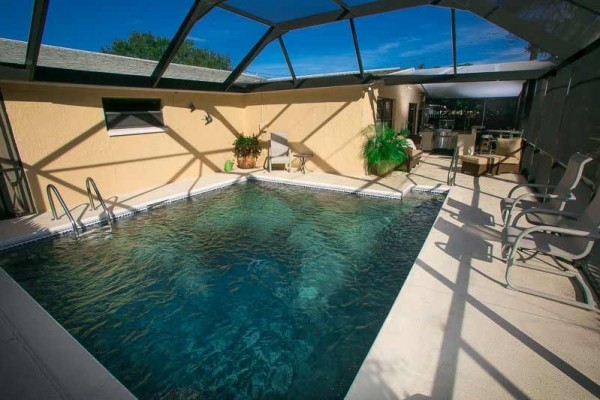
point(133, 116)
point(385, 112)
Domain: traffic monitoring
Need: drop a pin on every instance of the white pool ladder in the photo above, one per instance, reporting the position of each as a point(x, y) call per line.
point(89, 184)
point(52, 189)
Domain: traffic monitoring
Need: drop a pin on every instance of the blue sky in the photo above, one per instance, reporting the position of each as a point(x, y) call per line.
point(405, 38)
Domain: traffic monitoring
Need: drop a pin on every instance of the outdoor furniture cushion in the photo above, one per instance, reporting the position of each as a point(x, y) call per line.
point(505, 159)
point(412, 153)
point(479, 160)
point(411, 144)
point(478, 165)
point(510, 148)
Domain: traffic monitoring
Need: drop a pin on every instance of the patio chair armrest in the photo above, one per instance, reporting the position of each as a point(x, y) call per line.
point(535, 195)
point(546, 211)
point(529, 185)
point(548, 229)
point(574, 232)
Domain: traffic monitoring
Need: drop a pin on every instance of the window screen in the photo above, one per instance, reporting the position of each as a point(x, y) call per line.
point(132, 113)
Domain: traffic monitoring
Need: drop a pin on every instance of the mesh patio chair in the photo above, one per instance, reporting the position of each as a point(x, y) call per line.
point(571, 241)
point(279, 150)
point(561, 193)
point(527, 161)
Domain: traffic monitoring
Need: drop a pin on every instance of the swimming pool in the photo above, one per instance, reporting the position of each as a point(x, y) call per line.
point(255, 290)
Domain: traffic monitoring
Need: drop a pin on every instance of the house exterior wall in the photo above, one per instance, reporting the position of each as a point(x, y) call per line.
point(325, 122)
point(403, 95)
point(62, 137)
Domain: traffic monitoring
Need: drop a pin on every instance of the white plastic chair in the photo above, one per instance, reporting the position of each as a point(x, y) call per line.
point(279, 150)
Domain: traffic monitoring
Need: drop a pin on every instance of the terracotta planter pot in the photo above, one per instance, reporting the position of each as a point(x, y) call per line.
point(246, 162)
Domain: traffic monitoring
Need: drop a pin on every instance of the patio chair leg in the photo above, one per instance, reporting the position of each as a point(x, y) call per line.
point(504, 251)
point(587, 304)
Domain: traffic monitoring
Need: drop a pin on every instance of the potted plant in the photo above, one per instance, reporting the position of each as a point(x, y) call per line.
point(383, 150)
point(246, 149)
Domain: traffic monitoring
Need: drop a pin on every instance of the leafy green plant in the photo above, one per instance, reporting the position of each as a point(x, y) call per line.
point(245, 146)
point(405, 132)
point(383, 150)
point(149, 47)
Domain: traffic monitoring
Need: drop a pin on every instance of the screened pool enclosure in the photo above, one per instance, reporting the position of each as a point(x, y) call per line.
point(560, 31)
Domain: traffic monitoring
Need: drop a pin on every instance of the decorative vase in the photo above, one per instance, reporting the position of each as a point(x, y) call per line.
point(246, 162)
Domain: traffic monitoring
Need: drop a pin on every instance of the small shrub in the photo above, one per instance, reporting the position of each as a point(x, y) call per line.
point(245, 146)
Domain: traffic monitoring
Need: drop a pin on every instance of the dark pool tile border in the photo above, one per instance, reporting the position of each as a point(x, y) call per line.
point(332, 188)
point(101, 220)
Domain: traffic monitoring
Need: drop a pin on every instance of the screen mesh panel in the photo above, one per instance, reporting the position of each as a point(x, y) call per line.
point(270, 63)
point(414, 36)
point(15, 20)
point(105, 26)
point(418, 37)
point(322, 49)
point(480, 42)
point(560, 19)
point(284, 10)
point(353, 3)
point(224, 34)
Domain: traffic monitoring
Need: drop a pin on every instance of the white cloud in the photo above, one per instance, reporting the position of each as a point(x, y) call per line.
point(308, 65)
point(196, 39)
point(386, 47)
point(510, 54)
point(427, 49)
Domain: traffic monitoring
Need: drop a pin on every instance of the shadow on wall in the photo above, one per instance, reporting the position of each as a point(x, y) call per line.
point(59, 176)
point(321, 156)
point(181, 162)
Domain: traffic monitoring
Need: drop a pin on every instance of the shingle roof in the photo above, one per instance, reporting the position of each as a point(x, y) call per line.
point(13, 51)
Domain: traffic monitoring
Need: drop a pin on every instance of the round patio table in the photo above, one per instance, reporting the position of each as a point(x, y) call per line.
point(303, 158)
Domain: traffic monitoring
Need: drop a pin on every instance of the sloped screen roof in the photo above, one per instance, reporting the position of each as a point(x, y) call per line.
point(441, 33)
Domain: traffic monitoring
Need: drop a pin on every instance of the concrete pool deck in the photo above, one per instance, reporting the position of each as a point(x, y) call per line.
point(453, 331)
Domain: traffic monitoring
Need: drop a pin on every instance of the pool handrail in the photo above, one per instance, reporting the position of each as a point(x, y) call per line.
point(49, 190)
point(451, 179)
point(89, 181)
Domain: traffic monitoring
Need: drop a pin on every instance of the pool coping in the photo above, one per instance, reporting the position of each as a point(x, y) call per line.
point(41, 358)
point(101, 218)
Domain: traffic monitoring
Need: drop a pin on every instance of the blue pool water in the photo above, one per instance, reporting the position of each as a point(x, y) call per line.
point(255, 290)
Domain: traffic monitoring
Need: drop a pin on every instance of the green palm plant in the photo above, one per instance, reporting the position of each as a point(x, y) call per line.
point(383, 150)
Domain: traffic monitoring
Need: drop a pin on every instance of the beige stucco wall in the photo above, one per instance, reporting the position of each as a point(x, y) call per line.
point(403, 96)
point(325, 122)
point(62, 137)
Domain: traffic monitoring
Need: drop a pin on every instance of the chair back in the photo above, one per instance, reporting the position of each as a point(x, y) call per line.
point(279, 144)
point(589, 221)
point(527, 161)
point(570, 179)
point(542, 168)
